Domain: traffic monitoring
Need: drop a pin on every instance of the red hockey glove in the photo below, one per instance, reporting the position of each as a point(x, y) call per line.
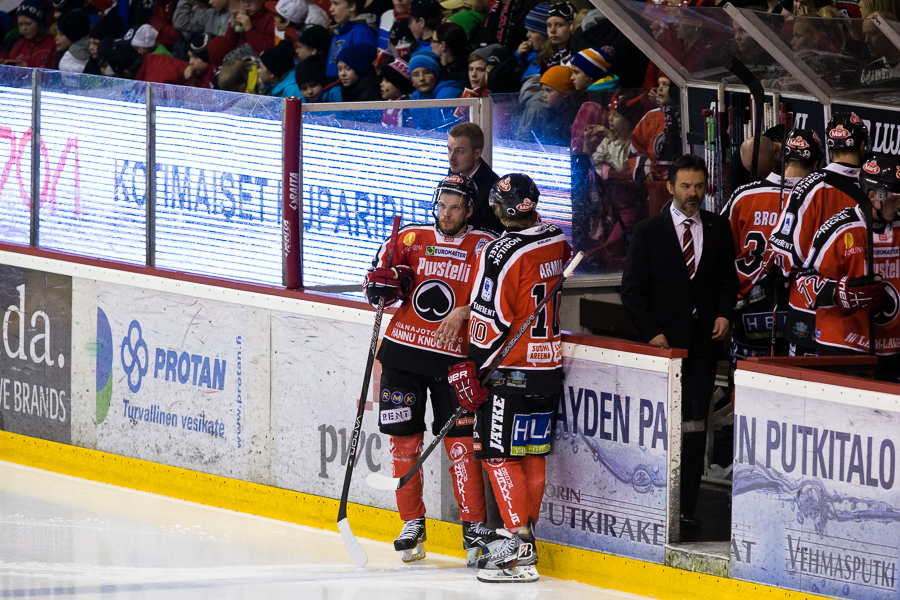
point(859, 293)
point(390, 284)
point(466, 385)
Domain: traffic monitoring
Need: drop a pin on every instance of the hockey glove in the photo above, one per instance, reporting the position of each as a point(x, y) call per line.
point(859, 293)
point(466, 385)
point(390, 284)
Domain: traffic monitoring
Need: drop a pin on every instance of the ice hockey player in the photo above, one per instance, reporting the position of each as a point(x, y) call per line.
point(753, 210)
point(513, 415)
point(839, 256)
point(435, 267)
point(812, 202)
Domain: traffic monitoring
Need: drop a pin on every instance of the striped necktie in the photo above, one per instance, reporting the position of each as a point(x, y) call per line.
point(687, 244)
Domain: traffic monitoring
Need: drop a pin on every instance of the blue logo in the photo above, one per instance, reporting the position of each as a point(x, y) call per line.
point(788, 221)
point(135, 364)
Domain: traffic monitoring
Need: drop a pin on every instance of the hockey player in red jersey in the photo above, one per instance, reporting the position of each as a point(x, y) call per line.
point(753, 211)
point(812, 202)
point(513, 415)
point(845, 291)
point(435, 267)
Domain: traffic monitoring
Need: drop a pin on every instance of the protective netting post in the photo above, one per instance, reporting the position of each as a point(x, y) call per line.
point(35, 157)
point(292, 186)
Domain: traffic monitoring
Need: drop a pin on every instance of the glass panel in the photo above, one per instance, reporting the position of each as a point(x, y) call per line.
point(218, 184)
point(881, 74)
point(15, 154)
point(360, 168)
point(93, 176)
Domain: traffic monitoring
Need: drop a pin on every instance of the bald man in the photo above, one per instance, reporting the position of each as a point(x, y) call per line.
point(769, 153)
point(884, 70)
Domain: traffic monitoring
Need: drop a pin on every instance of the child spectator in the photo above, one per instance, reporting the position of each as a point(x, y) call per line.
point(424, 18)
point(120, 57)
point(359, 83)
point(193, 16)
point(590, 71)
point(552, 124)
point(61, 7)
point(560, 23)
point(35, 48)
point(200, 69)
point(396, 84)
point(252, 24)
point(656, 139)
point(161, 68)
point(535, 40)
point(400, 12)
point(312, 40)
point(110, 26)
point(72, 41)
point(451, 44)
point(296, 14)
point(402, 40)
point(237, 76)
point(346, 31)
point(310, 77)
point(477, 75)
point(276, 72)
point(144, 41)
point(425, 68)
point(612, 154)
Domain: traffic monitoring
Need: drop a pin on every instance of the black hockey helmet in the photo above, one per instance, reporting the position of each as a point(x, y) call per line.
point(880, 172)
point(803, 144)
point(455, 184)
point(846, 131)
point(516, 194)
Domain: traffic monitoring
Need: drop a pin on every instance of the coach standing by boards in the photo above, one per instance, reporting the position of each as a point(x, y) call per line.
point(465, 143)
point(679, 289)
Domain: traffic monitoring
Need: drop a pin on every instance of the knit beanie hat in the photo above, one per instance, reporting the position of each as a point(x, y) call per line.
point(397, 72)
point(563, 10)
point(358, 57)
point(425, 9)
point(279, 59)
point(594, 63)
point(75, 25)
point(559, 78)
point(218, 48)
point(35, 10)
point(311, 69)
point(315, 36)
point(120, 55)
point(630, 106)
point(145, 36)
point(426, 59)
point(536, 19)
point(109, 26)
point(199, 46)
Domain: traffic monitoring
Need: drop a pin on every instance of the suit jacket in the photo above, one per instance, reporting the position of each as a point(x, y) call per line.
point(483, 216)
point(658, 294)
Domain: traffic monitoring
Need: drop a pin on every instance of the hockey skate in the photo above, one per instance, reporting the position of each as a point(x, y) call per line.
point(411, 541)
point(477, 537)
point(511, 560)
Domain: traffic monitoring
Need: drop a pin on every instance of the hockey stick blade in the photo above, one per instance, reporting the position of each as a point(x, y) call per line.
point(357, 553)
point(380, 482)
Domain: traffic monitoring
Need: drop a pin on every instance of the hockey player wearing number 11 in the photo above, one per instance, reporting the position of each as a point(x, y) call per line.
point(513, 415)
point(433, 273)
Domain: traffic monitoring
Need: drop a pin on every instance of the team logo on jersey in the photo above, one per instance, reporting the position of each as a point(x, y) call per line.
point(848, 240)
point(397, 397)
point(801, 330)
point(872, 167)
point(855, 119)
point(409, 238)
point(439, 252)
point(892, 252)
point(839, 133)
point(482, 242)
point(433, 300)
point(497, 378)
point(525, 205)
point(487, 291)
point(504, 184)
point(517, 379)
point(788, 221)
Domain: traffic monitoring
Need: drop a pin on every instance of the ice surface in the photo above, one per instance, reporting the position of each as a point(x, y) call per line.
point(65, 537)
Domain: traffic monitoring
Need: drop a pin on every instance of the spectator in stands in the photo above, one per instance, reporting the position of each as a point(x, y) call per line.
point(61, 7)
point(237, 76)
point(312, 40)
point(884, 70)
point(596, 31)
point(110, 26)
point(560, 24)
point(396, 83)
point(424, 18)
point(144, 41)
point(535, 40)
point(346, 31)
point(35, 48)
point(553, 123)
point(425, 69)
point(359, 82)
point(470, 20)
point(590, 71)
point(400, 12)
point(625, 110)
point(310, 77)
point(477, 75)
point(402, 39)
point(867, 7)
point(120, 56)
point(296, 14)
point(200, 69)
point(72, 41)
point(451, 44)
point(657, 133)
point(194, 16)
point(252, 24)
point(276, 71)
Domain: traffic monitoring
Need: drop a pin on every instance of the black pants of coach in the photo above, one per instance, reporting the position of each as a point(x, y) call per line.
point(698, 378)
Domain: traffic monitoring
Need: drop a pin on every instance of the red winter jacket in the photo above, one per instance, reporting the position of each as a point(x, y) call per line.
point(159, 68)
point(38, 53)
point(260, 37)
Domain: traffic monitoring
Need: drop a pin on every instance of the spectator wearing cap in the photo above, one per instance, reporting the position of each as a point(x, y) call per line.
point(590, 71)
point(359, 82)
point(425, 68)
point(312, 40)
point(252, 24)
point(194, 16)
point(35, 48)
point(61, 7)
point(400, 12)
point(451, 44)
point(396, 82)
point(72, 41)
point(625, 110)
point(560, 25)
point(296, 14)
point(276, 71)
point(310, 77)
point(402, 40)
point(110, 26)
point(347, 31)
point(200, 69)
point(144, 41)
point(553, 123)
point(424, 18)
point(535, 40)
point(120, 57)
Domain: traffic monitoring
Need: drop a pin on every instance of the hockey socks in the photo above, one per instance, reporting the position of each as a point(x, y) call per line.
point(535, 473)
point(405, 450)
point(511, 490)
point(468, 483)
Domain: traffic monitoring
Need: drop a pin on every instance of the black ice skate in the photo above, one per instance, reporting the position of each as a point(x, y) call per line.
point(476, 537)
point(512, 560)
point(410, 542)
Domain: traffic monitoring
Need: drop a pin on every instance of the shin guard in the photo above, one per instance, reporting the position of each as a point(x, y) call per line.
point(405, 450)
point(468, 483)
point(535, 474)
point(510, 490)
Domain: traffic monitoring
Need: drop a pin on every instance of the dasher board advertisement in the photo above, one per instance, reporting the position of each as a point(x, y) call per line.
point(607, 473)
point(816, 499)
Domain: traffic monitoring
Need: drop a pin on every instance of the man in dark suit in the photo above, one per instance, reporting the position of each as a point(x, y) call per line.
point(465, 143)
point(679, 289)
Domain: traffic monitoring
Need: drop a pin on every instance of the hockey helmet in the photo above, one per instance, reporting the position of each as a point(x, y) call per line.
point(880, 171)
point(516, 194)
point(455, 184)
point(803, 144)
point(846, 131)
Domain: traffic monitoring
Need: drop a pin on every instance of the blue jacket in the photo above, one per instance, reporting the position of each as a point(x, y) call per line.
point(287, 87)
point(528, 63)
point(348, 33)
point(436, 118)
point(610, 82)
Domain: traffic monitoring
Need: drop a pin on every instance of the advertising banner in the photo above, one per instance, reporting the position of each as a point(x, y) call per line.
point(816, 505)
point(35, 361)
point(607, 474)
point(180, 381)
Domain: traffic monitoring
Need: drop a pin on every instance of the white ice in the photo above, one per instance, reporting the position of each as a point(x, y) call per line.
point(70, 538)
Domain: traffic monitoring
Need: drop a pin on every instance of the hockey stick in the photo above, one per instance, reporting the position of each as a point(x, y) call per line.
point(741, 71)
point(379, 481)
point(870, 266)
point(772, 340)
point(356, 551)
